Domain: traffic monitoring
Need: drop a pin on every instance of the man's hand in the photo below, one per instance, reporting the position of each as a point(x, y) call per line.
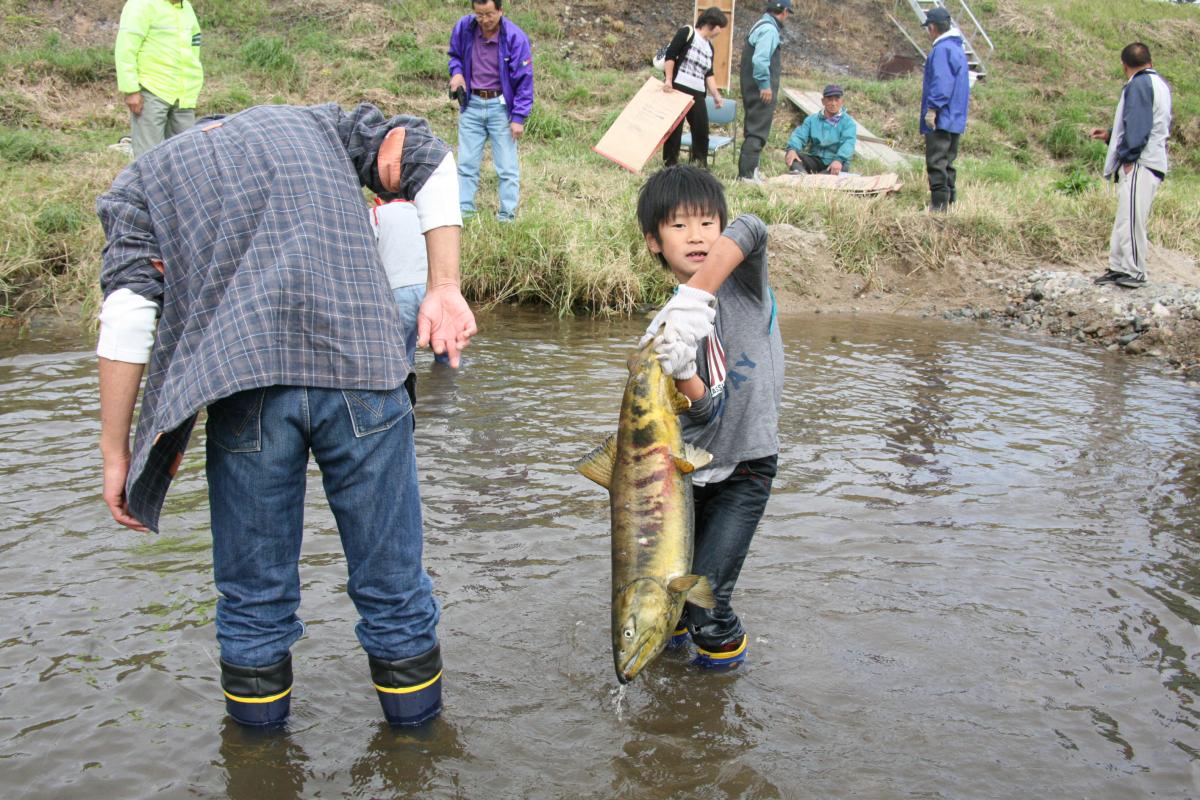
point(116, 470)
point(388, 160)
point(1128, 168)
point(835, 168)
point(1100, 134)
point(718, 101)
point(445, 322)
point(119, 384)
point(789, 157)
point(766, 95)
point(930, 119)
point(517, 128)
point(457, 82)
point(134, 103)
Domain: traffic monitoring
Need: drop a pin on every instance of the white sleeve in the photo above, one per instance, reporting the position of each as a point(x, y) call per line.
point(437, 202)
point(127, 322)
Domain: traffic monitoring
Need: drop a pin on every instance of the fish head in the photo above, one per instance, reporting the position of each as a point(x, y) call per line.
point(643, 619)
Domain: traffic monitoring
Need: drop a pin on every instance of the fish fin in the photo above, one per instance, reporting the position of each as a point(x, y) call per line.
point(697, 456)
point(598, 465)
point(693, 458)
point(682, 583)
point(679, 401)
point(701, 593)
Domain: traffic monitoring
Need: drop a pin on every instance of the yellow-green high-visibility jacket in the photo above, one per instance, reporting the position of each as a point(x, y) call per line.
point(158, 48)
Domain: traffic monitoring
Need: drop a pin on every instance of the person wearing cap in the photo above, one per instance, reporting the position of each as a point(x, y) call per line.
point(1136, 162)
point(945, 95)
point(491, 62)
point(761, 69)
point(241, 276)
point(157, 54)
point(825, 141)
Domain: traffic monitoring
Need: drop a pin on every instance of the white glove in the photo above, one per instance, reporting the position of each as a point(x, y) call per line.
point(686, 319)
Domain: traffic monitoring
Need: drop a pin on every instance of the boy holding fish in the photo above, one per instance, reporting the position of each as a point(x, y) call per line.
point(718, 338)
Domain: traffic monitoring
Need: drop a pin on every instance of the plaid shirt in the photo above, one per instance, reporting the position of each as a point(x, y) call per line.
point(269, 270)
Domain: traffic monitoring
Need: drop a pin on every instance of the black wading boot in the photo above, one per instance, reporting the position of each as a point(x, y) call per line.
point(409, 689)
point(258, 695)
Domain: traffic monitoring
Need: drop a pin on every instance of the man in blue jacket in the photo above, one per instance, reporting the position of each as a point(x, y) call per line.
point(945, 94)
point(1136, 162)
point(491, 62)
point(759, 76)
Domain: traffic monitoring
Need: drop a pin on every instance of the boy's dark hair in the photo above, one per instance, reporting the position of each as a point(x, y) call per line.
point(679, 188)
point(712, 16)
point(485, 2)
point(1135, 55)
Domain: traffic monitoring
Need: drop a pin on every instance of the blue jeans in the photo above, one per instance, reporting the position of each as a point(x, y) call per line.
point(727, 515)
point(257, 458)
point(409, 298)
point(483, 120)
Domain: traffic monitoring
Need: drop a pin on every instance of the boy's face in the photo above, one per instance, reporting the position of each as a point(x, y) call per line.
point(685, 239)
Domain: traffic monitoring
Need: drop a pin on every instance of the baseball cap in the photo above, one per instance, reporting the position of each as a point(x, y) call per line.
point(832, 90)
point(779, 5)
point(937, 14)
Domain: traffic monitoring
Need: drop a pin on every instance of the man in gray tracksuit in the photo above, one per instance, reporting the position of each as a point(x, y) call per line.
point(1137, 162)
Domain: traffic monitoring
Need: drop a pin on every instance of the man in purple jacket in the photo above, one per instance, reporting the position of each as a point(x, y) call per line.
point(491, 62)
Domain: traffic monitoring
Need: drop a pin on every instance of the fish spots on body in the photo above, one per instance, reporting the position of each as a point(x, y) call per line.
point(653, 477)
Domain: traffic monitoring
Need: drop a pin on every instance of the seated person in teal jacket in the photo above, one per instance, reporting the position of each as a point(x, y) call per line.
point(825, 141)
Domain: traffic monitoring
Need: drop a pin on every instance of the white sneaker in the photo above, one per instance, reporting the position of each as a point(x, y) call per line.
point(755, 181)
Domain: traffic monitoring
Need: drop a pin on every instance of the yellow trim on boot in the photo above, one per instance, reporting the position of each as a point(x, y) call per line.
point(730, 654)
point(270, 699)
point(411, 689)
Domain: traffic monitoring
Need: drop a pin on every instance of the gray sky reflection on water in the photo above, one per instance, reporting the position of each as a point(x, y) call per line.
point(977, 578)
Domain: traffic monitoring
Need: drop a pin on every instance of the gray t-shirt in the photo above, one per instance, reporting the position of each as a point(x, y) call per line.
point(742, 364)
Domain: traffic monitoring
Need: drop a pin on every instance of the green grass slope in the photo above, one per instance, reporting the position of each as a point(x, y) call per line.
point(1028, 175)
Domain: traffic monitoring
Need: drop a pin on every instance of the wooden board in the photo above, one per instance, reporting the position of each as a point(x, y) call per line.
point(643, 125)
point(868, 146)
point(722, 43)
point(853, 184)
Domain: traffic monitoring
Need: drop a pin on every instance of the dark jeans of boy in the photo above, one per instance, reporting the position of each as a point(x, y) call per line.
point(727, 515)
point(258, 451)
point(941, 148)
point(697, 120)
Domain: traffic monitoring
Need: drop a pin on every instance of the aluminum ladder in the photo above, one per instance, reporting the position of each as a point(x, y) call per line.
point(974, 62)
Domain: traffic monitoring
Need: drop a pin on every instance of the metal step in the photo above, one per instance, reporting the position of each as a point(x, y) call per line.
point(974, 62)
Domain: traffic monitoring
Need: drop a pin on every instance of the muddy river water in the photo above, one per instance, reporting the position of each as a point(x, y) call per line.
point(978, 577)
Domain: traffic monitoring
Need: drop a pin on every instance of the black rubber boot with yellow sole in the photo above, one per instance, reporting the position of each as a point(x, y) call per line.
point(409, 689)
point(258, 696)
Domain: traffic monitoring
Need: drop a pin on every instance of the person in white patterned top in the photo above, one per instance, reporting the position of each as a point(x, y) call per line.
point(688, 68)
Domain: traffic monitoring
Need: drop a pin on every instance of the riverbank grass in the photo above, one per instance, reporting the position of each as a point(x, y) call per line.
point(1028, 177)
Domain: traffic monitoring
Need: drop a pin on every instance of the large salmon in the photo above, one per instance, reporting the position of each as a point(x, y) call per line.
point(646, 467)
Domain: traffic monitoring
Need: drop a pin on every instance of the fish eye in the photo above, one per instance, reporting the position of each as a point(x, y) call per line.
point(628, 634)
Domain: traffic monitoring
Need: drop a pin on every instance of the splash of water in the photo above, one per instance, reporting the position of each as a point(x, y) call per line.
point(618, 696)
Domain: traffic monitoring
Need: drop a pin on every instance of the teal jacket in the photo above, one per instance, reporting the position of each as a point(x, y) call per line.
point(825, 141)
point(764, 38)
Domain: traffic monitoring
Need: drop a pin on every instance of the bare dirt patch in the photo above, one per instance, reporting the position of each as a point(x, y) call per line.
point(1162, 319)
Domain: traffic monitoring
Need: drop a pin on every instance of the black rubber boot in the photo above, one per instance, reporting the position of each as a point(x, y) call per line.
point(409, 689)
point(258, 696)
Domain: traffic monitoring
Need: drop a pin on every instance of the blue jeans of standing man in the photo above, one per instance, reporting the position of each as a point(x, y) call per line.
point(257, 452)
point(481, 121)
point(727, 515)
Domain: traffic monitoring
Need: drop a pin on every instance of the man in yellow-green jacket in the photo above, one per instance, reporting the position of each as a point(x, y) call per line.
point(158, 68)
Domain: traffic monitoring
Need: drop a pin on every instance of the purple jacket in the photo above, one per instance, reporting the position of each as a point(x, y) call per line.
point(516, 64)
